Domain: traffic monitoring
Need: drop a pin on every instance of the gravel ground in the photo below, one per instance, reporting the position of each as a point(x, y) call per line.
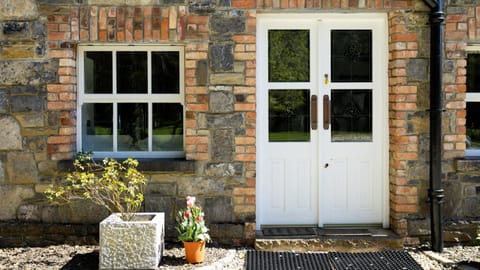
point(67, 257)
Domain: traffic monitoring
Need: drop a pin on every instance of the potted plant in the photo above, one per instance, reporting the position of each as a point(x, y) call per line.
point(192, 231)
point(128, 240)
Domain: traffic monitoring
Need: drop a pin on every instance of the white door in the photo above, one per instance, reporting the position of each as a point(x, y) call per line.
point(322, 120)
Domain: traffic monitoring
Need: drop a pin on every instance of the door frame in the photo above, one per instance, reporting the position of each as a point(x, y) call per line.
point(263, 23)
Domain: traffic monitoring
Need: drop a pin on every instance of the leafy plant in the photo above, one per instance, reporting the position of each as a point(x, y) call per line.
point(191, 223)
point(116, 185)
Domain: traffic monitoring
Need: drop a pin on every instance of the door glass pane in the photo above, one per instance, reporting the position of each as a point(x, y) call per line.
point(473, 125)
point(132, 72)
point(351, 55)
point(167, 127)
point(473, 73)
point(132, 127)
point(351, 112)
point(165, 72)
point(98, 72)
point(97, 126)
point(289, 115)
point(288, 56)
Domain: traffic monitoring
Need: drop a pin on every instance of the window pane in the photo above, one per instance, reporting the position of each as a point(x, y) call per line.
point(288, 56)
point(132, 72)
point(473, 73)
point(351, 115)
point(165, 72)
point(289, 115)
point(351, 55)
point(473, 125)
point(132, 127)
point(97, 127)
point(167, 127)
point(98, 72)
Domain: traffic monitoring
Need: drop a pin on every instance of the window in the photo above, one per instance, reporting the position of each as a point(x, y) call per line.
point(131, 101)
point(473, 101)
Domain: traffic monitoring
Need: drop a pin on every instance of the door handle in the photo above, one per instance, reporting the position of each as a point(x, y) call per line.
point(326, 112)
point(313, 111)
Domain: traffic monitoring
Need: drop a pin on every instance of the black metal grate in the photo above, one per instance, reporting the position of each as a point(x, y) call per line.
point(384, 260)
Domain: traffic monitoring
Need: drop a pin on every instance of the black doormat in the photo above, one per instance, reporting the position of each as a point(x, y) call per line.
point(289, 231)
point(345, 232)
point(383, 260)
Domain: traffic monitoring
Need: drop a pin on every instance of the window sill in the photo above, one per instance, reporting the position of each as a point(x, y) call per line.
point(146, 165)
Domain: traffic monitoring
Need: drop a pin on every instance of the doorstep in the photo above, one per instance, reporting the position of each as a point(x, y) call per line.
point(327, 240)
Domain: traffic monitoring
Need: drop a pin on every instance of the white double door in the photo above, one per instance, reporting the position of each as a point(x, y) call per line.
point(322, 126)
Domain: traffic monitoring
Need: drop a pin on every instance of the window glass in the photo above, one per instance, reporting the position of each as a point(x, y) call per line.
point(289, 115)
point(167, 126)
point(132, 72)
point(351, 56)
point(473, 104)
point(351, 115)
point(98, 72)
point(288, 56)
point(132, 127)
point(97, 127)
point(165, 72)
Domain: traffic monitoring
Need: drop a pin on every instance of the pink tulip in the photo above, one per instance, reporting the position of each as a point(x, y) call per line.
point(187, 214)
point(190, 201)
point(199, 219)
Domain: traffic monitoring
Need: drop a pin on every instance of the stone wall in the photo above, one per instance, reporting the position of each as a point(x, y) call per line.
point(38, 106)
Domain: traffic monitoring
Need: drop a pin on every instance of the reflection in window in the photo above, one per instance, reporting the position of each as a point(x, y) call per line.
point(288, 56)
point(351, 115)
point(167, 126)
point(132, 127)
point(98, 72)
point(165, 72)
point(131, 72)
point(289, 115)
point(97, 127)
point(473, 125)
point(351, 55)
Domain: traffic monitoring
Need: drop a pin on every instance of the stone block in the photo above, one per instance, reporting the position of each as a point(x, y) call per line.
point(18, 9)
point(28, 72)
point(27, 104)
point(223, 148)
point(472, 207)
point(29, 212)
point(202, 6)
point(31, 119)
point(132, 244)
point(227, 78)
point(12, 198)
point(221, 102)
point(10, 134)
point(201, 72)
point(234, 22)
point(221, 57)
point(3, 100)
point(417, 69)
point(217, 121)
point(21, 168)
point(218, 209)
point(223, 169)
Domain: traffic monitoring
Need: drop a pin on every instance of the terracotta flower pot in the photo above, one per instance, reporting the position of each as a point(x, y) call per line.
point(194, 251)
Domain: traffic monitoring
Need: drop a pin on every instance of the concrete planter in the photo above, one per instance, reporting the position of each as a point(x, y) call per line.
point(134, 244)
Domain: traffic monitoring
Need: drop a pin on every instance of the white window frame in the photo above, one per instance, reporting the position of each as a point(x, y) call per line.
point(115, 98)
point(472, 97)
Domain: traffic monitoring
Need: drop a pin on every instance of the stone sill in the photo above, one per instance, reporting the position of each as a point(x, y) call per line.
point(467, 164)
point(146, 165)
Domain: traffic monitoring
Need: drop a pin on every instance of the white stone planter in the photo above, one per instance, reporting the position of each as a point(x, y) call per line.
point(132, 244)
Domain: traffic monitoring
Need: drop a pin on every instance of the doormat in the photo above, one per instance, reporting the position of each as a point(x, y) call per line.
point(383, 260)
point(289, 231)
point(345, 232)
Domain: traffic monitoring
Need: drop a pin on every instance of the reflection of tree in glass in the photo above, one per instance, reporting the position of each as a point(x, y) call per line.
point(288, 55)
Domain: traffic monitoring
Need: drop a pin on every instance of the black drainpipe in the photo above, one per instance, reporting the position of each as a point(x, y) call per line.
point(436, 193)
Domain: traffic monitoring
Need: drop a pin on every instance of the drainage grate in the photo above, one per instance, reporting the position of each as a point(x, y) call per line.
point(384, 260)
point(266, 260)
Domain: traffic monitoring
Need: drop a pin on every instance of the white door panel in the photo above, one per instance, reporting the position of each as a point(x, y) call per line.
point(322, 176)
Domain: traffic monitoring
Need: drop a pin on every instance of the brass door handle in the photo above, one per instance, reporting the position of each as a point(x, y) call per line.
point(326, 112)
point(313, 111)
